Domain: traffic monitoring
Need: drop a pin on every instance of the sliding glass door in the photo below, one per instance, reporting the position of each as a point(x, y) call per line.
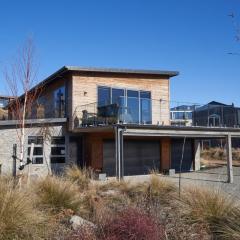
point(133, 106)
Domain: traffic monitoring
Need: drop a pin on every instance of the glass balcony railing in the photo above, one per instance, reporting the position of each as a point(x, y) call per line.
point(128, 110)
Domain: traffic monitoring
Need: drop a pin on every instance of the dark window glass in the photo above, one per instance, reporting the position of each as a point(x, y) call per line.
point(37, 160)
point(59, 102)
point(57, 159)
point(58, 151)
point(36, 150)
point(58, 140)
point(104, 96)
point(35, 139)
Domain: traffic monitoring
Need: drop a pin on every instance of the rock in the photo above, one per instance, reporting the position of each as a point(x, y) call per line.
point(109, 192)
point(77, 222)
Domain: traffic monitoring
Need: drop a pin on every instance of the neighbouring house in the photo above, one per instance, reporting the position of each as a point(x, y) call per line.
point(216, 114)
point(182, 115)
point(116, 121)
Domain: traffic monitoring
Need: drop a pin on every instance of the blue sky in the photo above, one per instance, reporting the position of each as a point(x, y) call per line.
point(192, 37)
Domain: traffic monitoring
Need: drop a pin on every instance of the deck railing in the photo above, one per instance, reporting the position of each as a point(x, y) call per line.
point(157, 112)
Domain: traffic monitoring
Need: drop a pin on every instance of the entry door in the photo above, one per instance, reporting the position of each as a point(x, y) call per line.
point(140, 157)
point(76, 150)
point(176, 155)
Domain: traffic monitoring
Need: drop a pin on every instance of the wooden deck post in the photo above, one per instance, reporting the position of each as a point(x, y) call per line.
point(119, 153)
point(229, 158)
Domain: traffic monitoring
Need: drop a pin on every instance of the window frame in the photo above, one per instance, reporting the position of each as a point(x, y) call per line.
point(125, 96)
point(56, 145)
point(41, 145)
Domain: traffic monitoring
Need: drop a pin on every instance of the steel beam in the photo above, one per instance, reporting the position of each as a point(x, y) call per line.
point(119, 153)
point(229, 158)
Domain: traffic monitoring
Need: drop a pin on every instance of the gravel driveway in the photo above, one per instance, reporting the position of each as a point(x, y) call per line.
point(215, 178)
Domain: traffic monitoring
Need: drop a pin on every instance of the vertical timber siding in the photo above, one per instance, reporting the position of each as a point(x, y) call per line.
point(159, 88)
point(165, 153)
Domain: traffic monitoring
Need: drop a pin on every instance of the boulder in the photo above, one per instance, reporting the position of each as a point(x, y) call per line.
point(77, 222)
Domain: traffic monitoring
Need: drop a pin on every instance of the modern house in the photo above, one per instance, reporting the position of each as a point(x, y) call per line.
point(182, 115)
point(216, 114)
point(116, 121)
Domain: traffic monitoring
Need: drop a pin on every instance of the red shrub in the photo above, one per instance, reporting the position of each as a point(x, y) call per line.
point(133, 225)
point(82, 234)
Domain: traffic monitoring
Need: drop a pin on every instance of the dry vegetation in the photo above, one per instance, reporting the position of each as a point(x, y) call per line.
point(119, 210)
point(219, 154)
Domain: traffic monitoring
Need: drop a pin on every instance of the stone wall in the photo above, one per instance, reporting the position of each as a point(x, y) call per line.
point(9, 137)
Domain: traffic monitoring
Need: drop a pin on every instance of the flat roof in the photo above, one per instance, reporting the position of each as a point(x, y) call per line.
point(122, 70)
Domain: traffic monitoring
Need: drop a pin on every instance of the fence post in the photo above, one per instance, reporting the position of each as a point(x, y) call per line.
point(14, 156)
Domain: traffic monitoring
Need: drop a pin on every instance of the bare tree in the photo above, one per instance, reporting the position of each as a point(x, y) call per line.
point(20, 78)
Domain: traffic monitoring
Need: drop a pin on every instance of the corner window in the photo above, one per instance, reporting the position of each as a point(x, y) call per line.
point(133, 106)
point(37, 150)
point(58, 150)
point(59, 102)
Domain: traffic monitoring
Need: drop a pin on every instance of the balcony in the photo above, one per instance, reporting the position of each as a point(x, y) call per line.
point(129, 110)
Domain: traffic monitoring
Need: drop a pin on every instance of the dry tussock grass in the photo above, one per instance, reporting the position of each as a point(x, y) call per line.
point(58, 194)
point(220, 212)
point(81, 177)
point(220, 154)
point(18, 217)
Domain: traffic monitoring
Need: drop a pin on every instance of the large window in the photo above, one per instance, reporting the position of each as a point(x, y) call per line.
point(181, 115)
point(58, 150)
point(59, 102)
point(37, 149)
point(134, 105)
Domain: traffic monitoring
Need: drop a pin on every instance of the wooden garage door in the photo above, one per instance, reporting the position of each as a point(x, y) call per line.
point(176, 155)
point(139, 157)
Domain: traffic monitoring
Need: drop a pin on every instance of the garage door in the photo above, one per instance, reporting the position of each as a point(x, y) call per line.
point(176, 155)
point(139, 157)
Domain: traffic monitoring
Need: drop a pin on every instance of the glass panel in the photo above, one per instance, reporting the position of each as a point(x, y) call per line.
point(59, 101)
point(58, 140)
point(104, 96)
point(36, 151)
point(35, 139)
point(116, 95)
point(57, 150)
point(133, 106)
point(146, 111)
point(178, 115)
point(57, 159)
point(145, 94)
point(37, 160)
point(132, 93)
